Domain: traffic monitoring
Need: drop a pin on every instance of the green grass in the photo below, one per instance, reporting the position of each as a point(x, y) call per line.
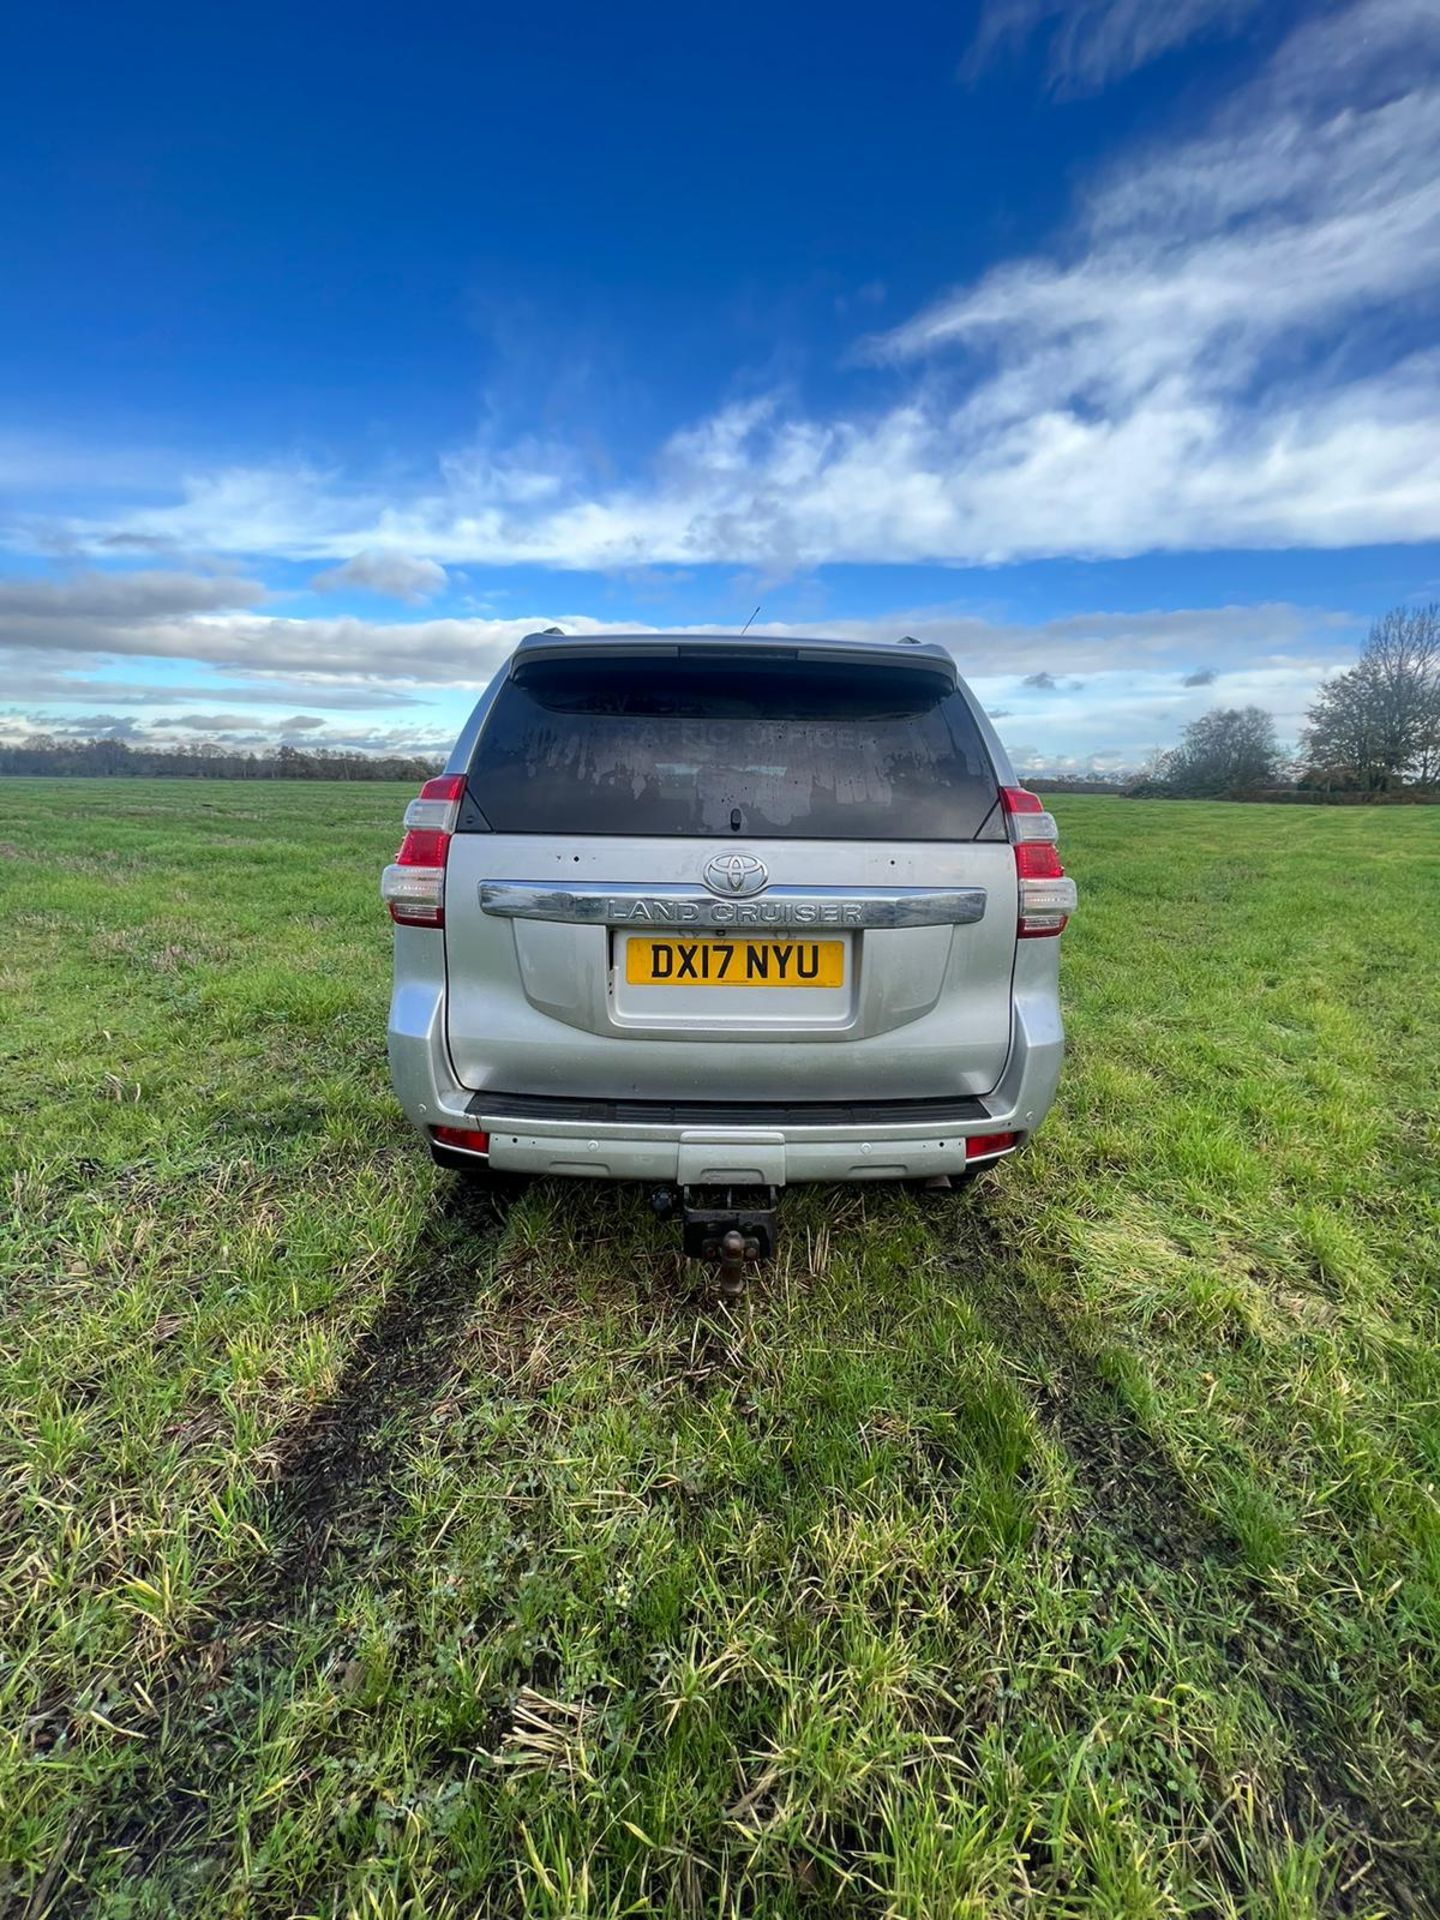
point(1068, 1547)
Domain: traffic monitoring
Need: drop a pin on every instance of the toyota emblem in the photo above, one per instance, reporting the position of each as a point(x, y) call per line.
point(735, 874)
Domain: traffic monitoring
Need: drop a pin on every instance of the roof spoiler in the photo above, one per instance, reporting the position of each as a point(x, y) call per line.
point(555, 645)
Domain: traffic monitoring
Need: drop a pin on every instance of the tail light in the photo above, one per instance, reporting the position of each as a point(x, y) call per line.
point(413, 886)
point(1047, 896)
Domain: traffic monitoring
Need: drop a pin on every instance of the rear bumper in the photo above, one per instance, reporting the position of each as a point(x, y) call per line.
point(705, 1143)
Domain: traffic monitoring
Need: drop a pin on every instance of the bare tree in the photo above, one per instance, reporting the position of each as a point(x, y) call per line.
point(1380, 721)
point(1228, 750)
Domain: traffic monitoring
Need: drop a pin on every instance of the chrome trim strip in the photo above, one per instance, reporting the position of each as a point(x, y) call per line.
point(622, 905)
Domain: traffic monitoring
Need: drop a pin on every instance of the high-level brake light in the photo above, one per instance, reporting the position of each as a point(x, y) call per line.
point(413, 886)
point(1047, 896)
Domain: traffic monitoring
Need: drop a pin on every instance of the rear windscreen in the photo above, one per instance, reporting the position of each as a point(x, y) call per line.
point(741, 745)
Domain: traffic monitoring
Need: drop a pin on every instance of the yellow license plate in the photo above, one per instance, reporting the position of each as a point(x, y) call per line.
point(734, 963)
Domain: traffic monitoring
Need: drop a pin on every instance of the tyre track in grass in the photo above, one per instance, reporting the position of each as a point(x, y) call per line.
point(327, 1503)
point(1134, 1492)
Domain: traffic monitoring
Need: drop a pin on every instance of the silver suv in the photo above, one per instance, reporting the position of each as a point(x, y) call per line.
point(716, 912)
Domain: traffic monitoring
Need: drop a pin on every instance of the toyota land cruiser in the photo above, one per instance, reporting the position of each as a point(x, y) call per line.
point(718, 912)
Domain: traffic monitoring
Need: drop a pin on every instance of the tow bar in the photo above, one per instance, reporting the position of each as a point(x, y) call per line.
point(731, 1228)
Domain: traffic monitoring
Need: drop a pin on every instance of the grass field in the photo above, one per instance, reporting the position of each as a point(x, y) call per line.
point(1069, 1546)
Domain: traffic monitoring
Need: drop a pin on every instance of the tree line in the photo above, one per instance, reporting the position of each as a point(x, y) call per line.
point(1372, 732)
point(107, 758)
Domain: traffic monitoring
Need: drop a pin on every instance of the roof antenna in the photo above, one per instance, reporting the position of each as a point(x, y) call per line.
point(746, 628)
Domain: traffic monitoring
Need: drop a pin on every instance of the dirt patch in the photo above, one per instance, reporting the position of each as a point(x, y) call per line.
point(1128, 1485)
point(340, 1454)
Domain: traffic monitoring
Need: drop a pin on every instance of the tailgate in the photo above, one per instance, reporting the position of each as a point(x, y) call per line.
point(553, 948)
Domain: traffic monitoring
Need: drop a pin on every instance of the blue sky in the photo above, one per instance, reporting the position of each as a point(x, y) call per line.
point(1096, 338)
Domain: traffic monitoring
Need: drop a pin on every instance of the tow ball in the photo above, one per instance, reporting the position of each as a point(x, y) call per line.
point(730, 1228)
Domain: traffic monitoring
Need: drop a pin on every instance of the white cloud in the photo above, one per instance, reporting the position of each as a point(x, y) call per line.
point(396, 576)
point(1093, 42)
point(1096, 683)
point(87, 604)
point(232, 722)
point(206, 722)
point(1121, 715)
point(29, 674)
point(1230, 347)
point(1299, 210)
point(362, 659)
